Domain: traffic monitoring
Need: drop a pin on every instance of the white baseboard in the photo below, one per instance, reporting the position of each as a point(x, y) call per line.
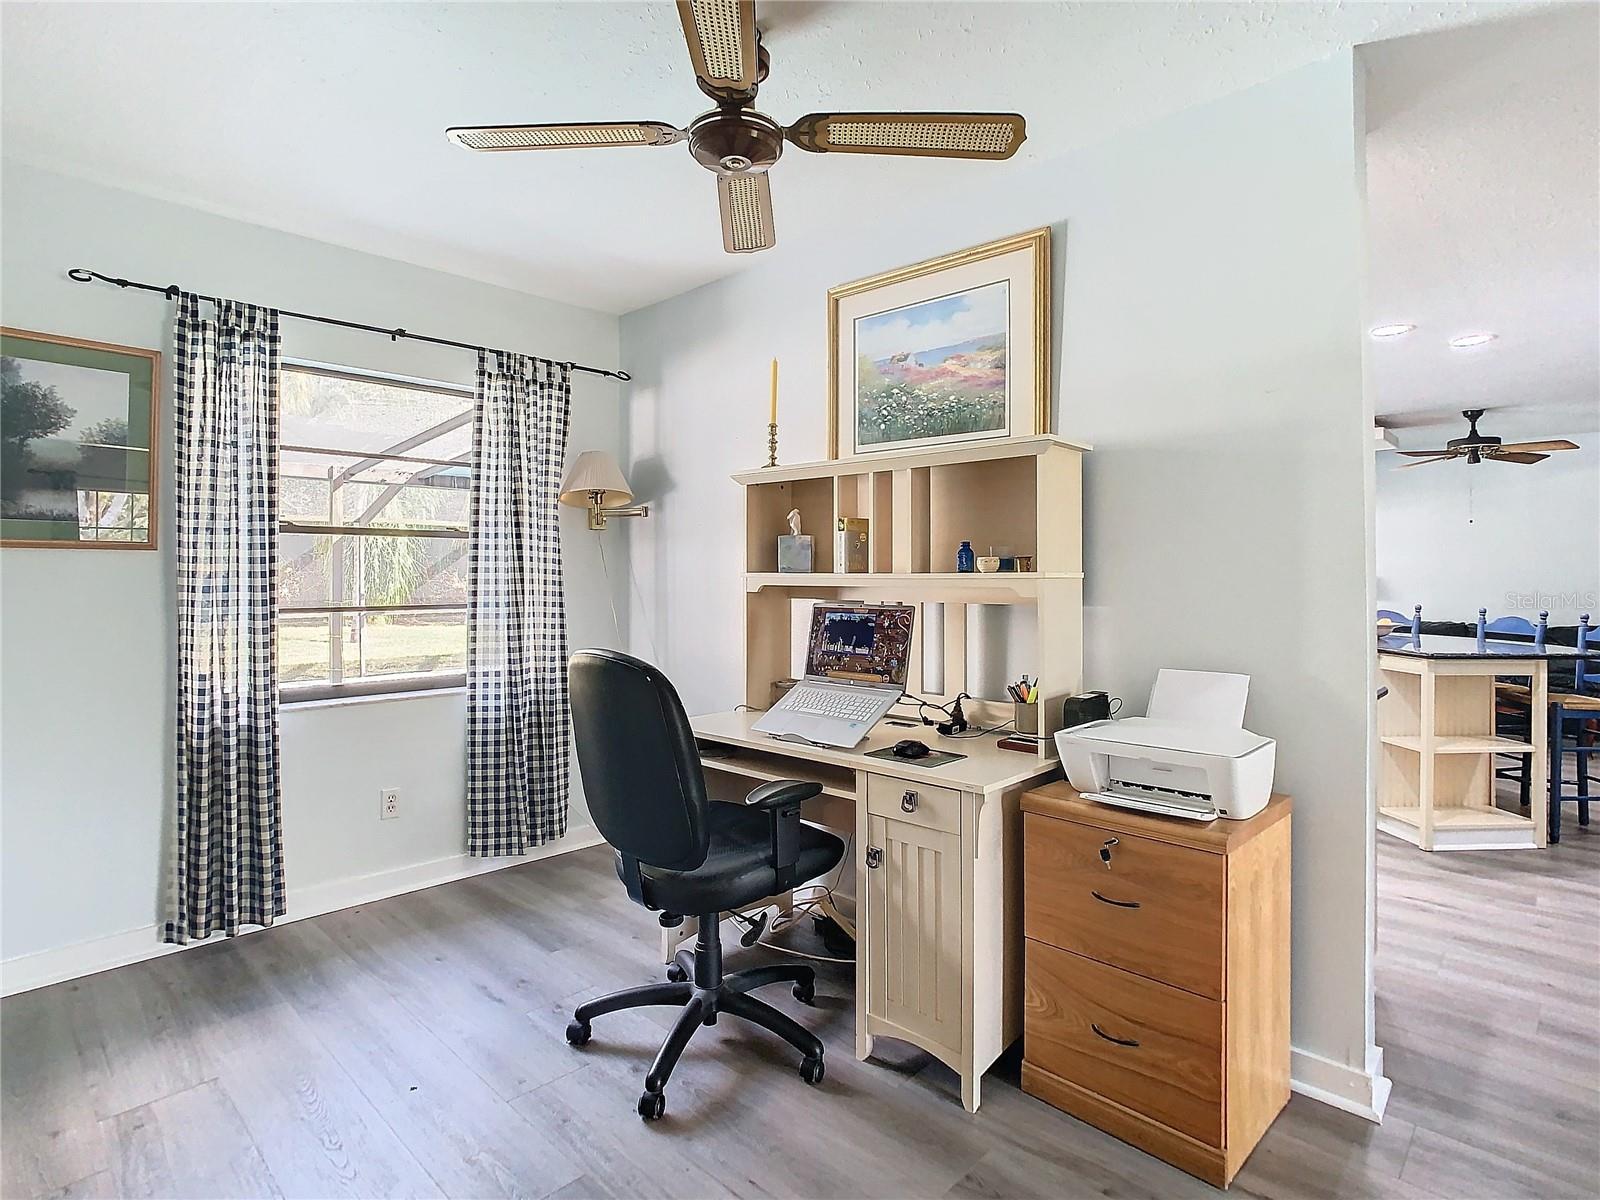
point(1364, 1093)
point(28, 971)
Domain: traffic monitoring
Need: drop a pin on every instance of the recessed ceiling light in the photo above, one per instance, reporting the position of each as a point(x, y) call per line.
point(1388, 331)
point(1467, 340)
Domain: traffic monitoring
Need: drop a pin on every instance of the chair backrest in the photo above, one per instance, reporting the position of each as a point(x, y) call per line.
point(636, 753)
point(1388, 614)
point(1588, 639)
point(1513, 629)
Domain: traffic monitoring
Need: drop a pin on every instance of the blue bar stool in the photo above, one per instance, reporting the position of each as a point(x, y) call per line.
point(1513, 712)
point(1579, 708)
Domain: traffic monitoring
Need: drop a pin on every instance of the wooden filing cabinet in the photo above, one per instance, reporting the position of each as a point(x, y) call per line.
point(1156, 1002)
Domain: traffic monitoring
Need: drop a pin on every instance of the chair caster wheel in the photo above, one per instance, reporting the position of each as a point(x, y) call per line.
point(578, 1032)
point(652, 1105)
point(811, 1070)
point(676, 974)
point(806, 993)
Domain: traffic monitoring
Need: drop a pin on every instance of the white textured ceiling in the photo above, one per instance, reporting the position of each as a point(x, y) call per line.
point(327, 119)
point(1483, 185)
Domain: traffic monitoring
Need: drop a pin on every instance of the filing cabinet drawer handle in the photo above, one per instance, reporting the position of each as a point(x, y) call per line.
point(908, 801)
point(1117, 903)
point(1109, 1038)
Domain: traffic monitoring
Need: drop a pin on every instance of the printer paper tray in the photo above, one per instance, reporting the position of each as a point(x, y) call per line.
point(1149, 805)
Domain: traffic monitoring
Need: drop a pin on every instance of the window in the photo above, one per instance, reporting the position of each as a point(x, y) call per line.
point(372, 545)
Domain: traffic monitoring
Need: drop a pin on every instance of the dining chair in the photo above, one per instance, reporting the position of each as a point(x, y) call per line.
point(1581, 707)
point(1513, 704)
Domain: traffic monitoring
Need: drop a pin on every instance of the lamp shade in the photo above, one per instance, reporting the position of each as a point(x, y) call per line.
point(595, 471)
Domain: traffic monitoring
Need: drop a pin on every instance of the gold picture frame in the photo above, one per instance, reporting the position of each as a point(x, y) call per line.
point(116, 427)
point(873, 306)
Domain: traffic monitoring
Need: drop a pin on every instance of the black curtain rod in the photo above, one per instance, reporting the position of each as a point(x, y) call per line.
point(83, 275)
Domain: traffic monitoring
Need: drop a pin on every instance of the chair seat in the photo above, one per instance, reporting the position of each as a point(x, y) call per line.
point(1576, 702)
point(738, 867)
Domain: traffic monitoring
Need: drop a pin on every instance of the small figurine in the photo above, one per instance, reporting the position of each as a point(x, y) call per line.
point(794, 522)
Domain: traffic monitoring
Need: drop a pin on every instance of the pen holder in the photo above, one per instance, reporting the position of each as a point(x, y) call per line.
point(1026, 717)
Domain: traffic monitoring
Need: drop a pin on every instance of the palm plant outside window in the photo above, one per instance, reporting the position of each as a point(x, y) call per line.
point(373, 477)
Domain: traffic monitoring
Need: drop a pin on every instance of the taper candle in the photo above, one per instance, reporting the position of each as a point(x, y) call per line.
point(773, 418)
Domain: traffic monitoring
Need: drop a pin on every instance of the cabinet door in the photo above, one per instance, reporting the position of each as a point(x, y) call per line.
point(914, 929)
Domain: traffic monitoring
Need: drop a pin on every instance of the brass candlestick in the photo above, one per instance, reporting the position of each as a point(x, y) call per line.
point(772, 444)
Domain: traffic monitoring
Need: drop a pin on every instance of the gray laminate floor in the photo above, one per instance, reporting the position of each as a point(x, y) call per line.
point(414, 1047)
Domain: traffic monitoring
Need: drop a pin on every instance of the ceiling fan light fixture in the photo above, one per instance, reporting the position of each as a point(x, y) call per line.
point(1468, 340)
point(1399, 329)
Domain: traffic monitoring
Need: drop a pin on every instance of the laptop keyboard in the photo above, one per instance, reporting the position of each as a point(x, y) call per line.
point(833, 702)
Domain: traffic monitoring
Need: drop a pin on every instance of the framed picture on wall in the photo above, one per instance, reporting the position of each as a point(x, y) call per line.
point(77, 434)
point(956, 349)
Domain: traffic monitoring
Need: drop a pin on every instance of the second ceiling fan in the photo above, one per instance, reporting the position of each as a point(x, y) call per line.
point(739, 144)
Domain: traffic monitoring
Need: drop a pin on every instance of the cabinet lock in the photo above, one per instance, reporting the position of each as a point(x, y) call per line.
point(1105, 851)
point(908, 801)
point(874, 857)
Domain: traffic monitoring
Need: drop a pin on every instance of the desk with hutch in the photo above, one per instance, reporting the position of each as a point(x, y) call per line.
point(935, 851)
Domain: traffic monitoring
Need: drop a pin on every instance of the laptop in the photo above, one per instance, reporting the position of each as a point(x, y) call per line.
point(855, 671)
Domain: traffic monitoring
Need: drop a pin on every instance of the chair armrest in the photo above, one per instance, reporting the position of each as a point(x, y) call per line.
point(782, 798)
point(782, 792)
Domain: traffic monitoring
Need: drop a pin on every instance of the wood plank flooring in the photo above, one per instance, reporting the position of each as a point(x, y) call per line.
point(414, 1047)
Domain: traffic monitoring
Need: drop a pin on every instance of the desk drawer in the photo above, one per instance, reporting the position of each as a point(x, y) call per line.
point(905, 800)
point(1146, 1046)
point(1155, 909)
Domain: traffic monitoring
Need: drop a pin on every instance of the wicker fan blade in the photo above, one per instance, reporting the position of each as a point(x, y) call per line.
point(1537, 447)
point(1426, 453)
point(746, 202)
point(1516, 457)
point(1428, 461)
point(933, 135)
point(565, 137)
point(722, 42)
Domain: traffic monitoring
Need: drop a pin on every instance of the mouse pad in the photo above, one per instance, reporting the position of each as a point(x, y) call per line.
point(933, 758)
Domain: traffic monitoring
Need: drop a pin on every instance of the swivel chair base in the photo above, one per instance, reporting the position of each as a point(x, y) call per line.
point(696, 982)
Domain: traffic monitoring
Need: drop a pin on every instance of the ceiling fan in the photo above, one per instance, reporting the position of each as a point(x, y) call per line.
point(739, 144)
point(1477, 447)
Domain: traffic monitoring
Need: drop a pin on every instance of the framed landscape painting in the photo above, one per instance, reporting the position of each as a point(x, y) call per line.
point(77, 452)
point(956, 349)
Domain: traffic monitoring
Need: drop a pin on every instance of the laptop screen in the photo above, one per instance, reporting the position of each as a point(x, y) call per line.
point(866, 642)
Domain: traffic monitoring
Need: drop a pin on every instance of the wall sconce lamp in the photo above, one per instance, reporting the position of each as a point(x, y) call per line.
point(594, 481)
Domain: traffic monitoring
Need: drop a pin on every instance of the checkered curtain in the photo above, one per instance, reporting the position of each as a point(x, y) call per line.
point(226, 866)
point(518, 768)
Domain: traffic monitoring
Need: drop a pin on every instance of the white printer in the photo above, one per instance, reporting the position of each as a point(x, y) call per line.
point(1173, 768)
point(1191, 757)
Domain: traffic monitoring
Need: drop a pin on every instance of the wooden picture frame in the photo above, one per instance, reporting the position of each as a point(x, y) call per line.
point(992, 382)
point(124, 513)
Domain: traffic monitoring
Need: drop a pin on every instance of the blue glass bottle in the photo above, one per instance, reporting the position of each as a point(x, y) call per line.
point(965, 559)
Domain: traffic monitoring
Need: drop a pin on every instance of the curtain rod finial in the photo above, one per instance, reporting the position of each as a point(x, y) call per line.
point(80, 275)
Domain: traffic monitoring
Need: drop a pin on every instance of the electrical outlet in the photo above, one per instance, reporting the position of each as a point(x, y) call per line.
point(389, 804)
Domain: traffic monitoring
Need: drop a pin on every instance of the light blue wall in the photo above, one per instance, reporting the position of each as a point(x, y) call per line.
point(1208, 276)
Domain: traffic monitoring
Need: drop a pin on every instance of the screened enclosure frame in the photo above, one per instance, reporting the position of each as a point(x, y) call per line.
point(345, 469)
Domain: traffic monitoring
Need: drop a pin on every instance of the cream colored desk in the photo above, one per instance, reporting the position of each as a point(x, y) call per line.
point(937, 857)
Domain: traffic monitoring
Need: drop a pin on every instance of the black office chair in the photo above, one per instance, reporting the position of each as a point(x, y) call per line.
point(680, 854)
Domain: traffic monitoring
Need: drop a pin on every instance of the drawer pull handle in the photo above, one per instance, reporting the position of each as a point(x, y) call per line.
point(908, 801)
point(874, 857)
point(1108, 900)
point(1109, 1038)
